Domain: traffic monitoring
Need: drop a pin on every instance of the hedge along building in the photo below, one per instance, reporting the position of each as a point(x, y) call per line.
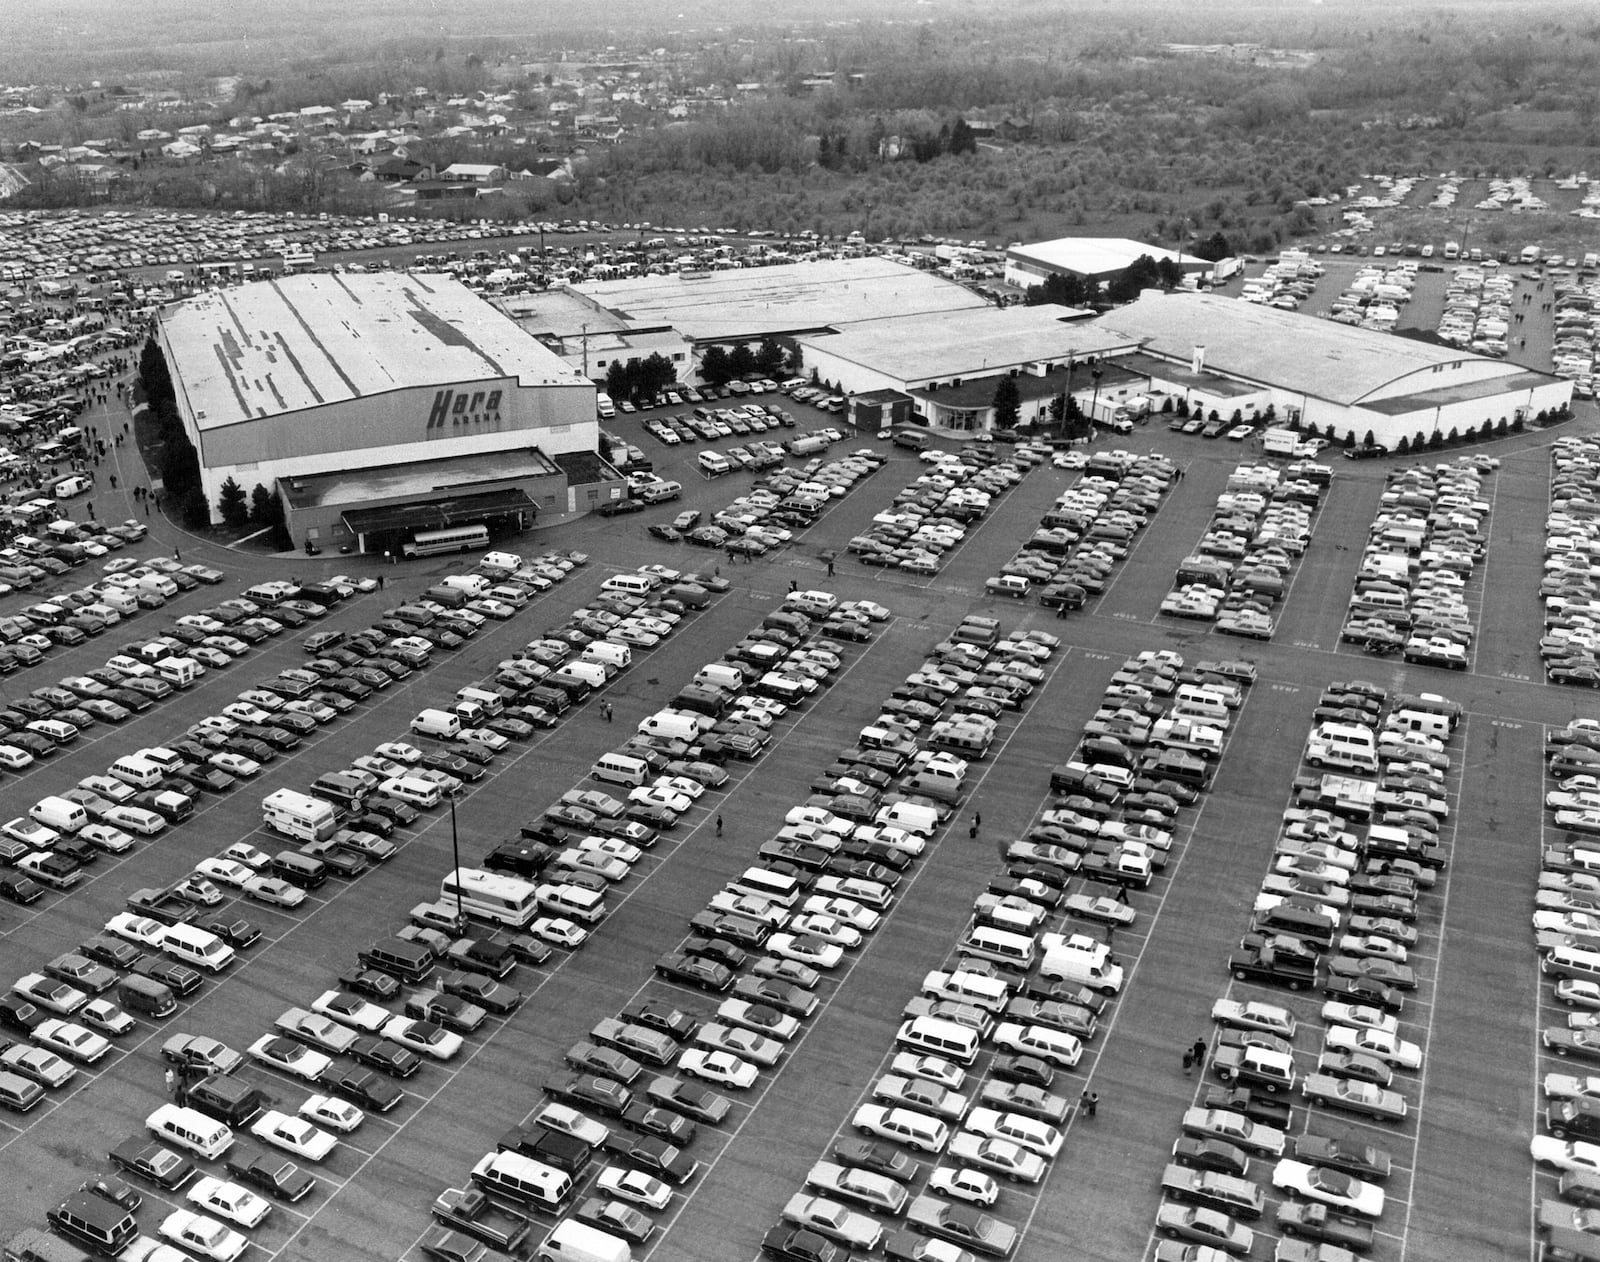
point(379, 405)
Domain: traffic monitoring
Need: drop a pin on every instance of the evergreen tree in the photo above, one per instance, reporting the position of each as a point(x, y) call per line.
point(742, 361)
point(232, 506)
point(265, 510)
point(769, 358)
point(617, 381)
point(1007, 403)
point(962, 139)
point(714, 366)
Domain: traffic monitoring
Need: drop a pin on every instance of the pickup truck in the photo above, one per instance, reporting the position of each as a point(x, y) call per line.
point(1318, 1222)
point(470, 1210)
point(1272, 964)
point(1121, 865)
point(161, 903)
point(1254, 1105)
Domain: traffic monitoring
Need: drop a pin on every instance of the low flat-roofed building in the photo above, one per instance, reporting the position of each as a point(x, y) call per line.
point(1089, 258)
point(325, 374)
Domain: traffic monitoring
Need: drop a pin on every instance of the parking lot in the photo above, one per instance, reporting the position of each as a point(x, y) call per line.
point(1475, 1101)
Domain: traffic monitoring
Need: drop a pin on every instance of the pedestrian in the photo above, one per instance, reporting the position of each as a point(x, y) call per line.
point(91, 511)
point(972, 829)
point(1089, 1101)
point(719, 823)
point(830, 567)
point(1198, 1051)
point(383, 581)
point(113, 482)
point(172, 1082)
point(793, 586)
point(1188, 1061)
point(1111, 934)
point(176, 555)
point(977, 819)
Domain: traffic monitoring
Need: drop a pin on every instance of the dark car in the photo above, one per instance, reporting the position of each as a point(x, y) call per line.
point(236, 931)
point(1026, 1069)
point(16, 1013)
point(654, 1156)
point(662, 1123)
point(20, 889)
point(371, 983)
point(149, 1160)
point(587, 1091)
point(385, 1056)
point(879, 1158)
point(278, 1177)
point(1211, 1154)
point(653, 1014)
point(363, 1087)
point(690, 970)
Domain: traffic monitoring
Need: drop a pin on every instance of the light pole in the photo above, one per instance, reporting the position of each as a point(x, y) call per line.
point(1094, 402)
point(455, 852)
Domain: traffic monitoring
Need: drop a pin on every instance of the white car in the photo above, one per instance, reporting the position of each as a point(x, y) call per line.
point(1330, 1187)
point(872, 611)
point(1363, 1016)
point(235, 765)
point(400, 752)
point(483, 736)
point(273, 890)
point(929, 1068)
point(339, 1115)
point(104, 837)
point(964, 1185)
point(314, 710)
point(1253, 1015)
point(236, 1204)
point(723, 1068)
point(570, 1121)
point(248, 712)
point(828, 928)
point(1571, 1087)
point(135, 819)
point(139, 930)
point(352, 1010)
point(846, 910)
point(422, 1037)
point(225, 872)
point(635, 1187)
point(70, 1040)
point(203, 1235)
point(559, 931)
point(806, 948)
point(293, 1134)
point(611, 848)
point(1565, 1154)
point(1376, 1043)
point(659, 795)
point(740, 1040)
point(243, 852)
point(290, 1057)
point(1016, 1163)
point(1030, 1133)
point(106, 1017)
point(759, 1017)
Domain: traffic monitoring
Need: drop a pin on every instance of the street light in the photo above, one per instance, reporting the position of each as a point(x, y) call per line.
point(455, 851)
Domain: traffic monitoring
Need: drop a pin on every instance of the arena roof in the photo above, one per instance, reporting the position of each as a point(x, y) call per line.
point(302, 342)
point(982, 342)
point(1320, 358)
point(1098, 256)
point(750, 303)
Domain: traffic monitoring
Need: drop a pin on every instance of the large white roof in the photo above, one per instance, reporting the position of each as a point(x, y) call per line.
point(287, 345)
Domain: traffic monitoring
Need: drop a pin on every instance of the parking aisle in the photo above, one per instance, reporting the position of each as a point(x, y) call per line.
point(1510, 617)
point(1479, 1091)
point(1117, 1158)
point(1315, 605)
point(1144, 577)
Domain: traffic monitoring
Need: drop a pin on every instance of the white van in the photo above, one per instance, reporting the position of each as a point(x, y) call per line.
point(1197, 700)
point(141, 773)
point(939, 1037)
point(472, 584)
point(922, 820)
point(491, 703)
point(439, 724)
point(189, 1128)
point(61, 814)
point(1350, 745)
point(1009, 950)
point(573, 1241)
point(500, 563)
point(1416, 721)
point(522, 1179)
point(413, 789)
point(119, 600)
point(197, 946)
point(778, 887)
point(591, 673)
point(583, 905)
point(620, 769)
point(158, 583)
point(714, 464)
point(607, 654)
point(656, 492)
point(629, 584)
point(674, 725)
point(720, 675)
point(1095, 969)
point(180, 672)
